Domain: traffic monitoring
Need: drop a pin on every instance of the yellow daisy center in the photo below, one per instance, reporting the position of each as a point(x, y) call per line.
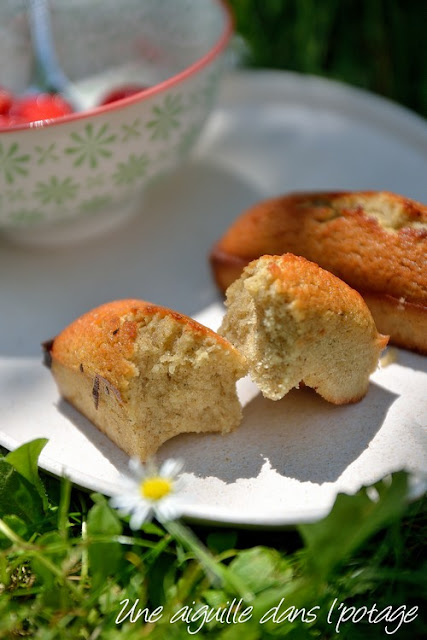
point(155, 488)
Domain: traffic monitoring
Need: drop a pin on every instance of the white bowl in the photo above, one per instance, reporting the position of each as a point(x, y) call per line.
point(84, 172)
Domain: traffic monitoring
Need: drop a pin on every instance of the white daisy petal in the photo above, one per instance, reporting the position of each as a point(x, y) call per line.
point(171, 468)
point(167, 510)
point(151, 468)
point(161, 496)
point(117, 502)
point(179, 484)
point(128, 482)
point(136, 467)
point(166, 515)
point(123, 502)
point(141, 515)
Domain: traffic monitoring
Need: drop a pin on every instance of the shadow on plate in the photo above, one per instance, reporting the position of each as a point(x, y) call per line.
point(410, 360)
point(300, 436)
point(110, 451)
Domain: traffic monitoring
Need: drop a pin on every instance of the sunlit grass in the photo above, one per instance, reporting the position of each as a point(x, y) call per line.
point(375, 44)
point(70, 567)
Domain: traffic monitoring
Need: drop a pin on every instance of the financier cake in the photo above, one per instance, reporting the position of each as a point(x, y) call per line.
point(374, 241)
point(143, 373)
point(297, 323)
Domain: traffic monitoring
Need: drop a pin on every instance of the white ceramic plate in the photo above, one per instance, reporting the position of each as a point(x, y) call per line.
point(271, 133)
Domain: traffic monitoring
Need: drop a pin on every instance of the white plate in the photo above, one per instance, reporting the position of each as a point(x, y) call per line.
point(271, 133)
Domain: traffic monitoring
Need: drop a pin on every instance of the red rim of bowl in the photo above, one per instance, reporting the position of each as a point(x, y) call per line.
point(144, 93)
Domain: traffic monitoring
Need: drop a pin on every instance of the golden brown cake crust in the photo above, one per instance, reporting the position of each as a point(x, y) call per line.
point(296, 322)
point(105, 338)
point(374, 241)
point(307, 286)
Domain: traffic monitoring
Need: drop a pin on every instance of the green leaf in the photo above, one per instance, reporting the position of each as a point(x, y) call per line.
point(239, 631)
point(152, 529)
point(352, 521)
point(163, 580)
point(261, 568)
point(25, 460)
point(54, 554)
point(102, 520)
point(104, 557)
point(215, 597)
point(17, 525)
point(220, 541)
point(18, 496)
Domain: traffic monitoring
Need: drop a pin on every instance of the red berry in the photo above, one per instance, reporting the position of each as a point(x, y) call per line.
point(6, 99)
point(8, 121)
point(42, 106)
point(120, 93)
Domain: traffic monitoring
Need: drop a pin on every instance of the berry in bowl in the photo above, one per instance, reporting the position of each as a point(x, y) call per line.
point(147, 73)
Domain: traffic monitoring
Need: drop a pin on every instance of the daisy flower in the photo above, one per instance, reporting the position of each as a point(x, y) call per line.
point(150, 491)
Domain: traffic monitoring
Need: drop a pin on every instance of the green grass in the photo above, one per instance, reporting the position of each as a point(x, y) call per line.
point(69, 563)
point(375, 44)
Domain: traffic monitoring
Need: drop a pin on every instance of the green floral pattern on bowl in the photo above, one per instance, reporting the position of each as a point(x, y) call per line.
point(52, 173)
